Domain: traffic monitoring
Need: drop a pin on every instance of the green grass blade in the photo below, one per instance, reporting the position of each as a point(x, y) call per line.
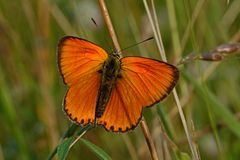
point(218, 108)
point(165, 121)
point(225, 114)
point(64, 148)
point(10, 115)
point(97, 150)
point(184, 156)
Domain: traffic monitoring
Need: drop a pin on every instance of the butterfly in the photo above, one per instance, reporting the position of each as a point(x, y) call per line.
point(107, 90)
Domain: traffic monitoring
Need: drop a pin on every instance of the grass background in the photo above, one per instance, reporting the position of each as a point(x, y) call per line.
point(31, 88)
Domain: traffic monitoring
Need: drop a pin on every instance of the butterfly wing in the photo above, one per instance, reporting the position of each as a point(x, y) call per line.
point(79, 62)
point(143, 83)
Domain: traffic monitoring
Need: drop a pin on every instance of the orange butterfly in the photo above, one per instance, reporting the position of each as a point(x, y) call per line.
point(107, 90)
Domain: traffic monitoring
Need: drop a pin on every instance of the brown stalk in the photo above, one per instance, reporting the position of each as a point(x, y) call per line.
point(110, 26)
point(149, 140)
point(143, 124)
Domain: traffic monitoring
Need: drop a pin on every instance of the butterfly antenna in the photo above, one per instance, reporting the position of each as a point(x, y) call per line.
point(94, 22)
point(107, 42)
point(150, 38)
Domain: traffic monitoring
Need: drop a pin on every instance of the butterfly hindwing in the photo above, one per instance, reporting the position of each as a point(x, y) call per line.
point(79, 63)
point(80, 100)
point(142, 83)
point(119, 116)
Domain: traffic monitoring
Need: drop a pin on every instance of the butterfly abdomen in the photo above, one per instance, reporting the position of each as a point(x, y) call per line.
point(110, 73)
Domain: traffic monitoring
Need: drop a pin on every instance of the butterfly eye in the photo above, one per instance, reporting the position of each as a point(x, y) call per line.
point(112, 128)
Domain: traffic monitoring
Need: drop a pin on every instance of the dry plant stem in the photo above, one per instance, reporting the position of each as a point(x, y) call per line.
point(194, 142)
point(156, 24)
point(117, 47)
point(110, 26)
point(77, 138)
point(157, 34)
point(191, 144)
point(167, 155)
point(149, 140)
point(163, 55)
point(213, 66)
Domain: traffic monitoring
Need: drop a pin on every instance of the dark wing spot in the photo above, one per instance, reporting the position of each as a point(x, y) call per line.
point(89, 120)
point(82, 121)
point(104, 123)
point(120, 129)
point(133, 126)
point(112, 128)
point(75, 119)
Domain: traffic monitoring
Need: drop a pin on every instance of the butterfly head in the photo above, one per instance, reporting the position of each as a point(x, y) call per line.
point(116, 54)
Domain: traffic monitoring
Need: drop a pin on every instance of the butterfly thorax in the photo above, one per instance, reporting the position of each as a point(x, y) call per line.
point(109, 74)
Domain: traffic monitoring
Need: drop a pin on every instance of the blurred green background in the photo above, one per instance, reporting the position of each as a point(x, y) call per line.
point(31, 88)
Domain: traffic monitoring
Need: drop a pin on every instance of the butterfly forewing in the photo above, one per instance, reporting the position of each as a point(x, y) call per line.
point(143, 83)
point(152, 79)
point(77, 57)
point(79, 63)
point(80, 100)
